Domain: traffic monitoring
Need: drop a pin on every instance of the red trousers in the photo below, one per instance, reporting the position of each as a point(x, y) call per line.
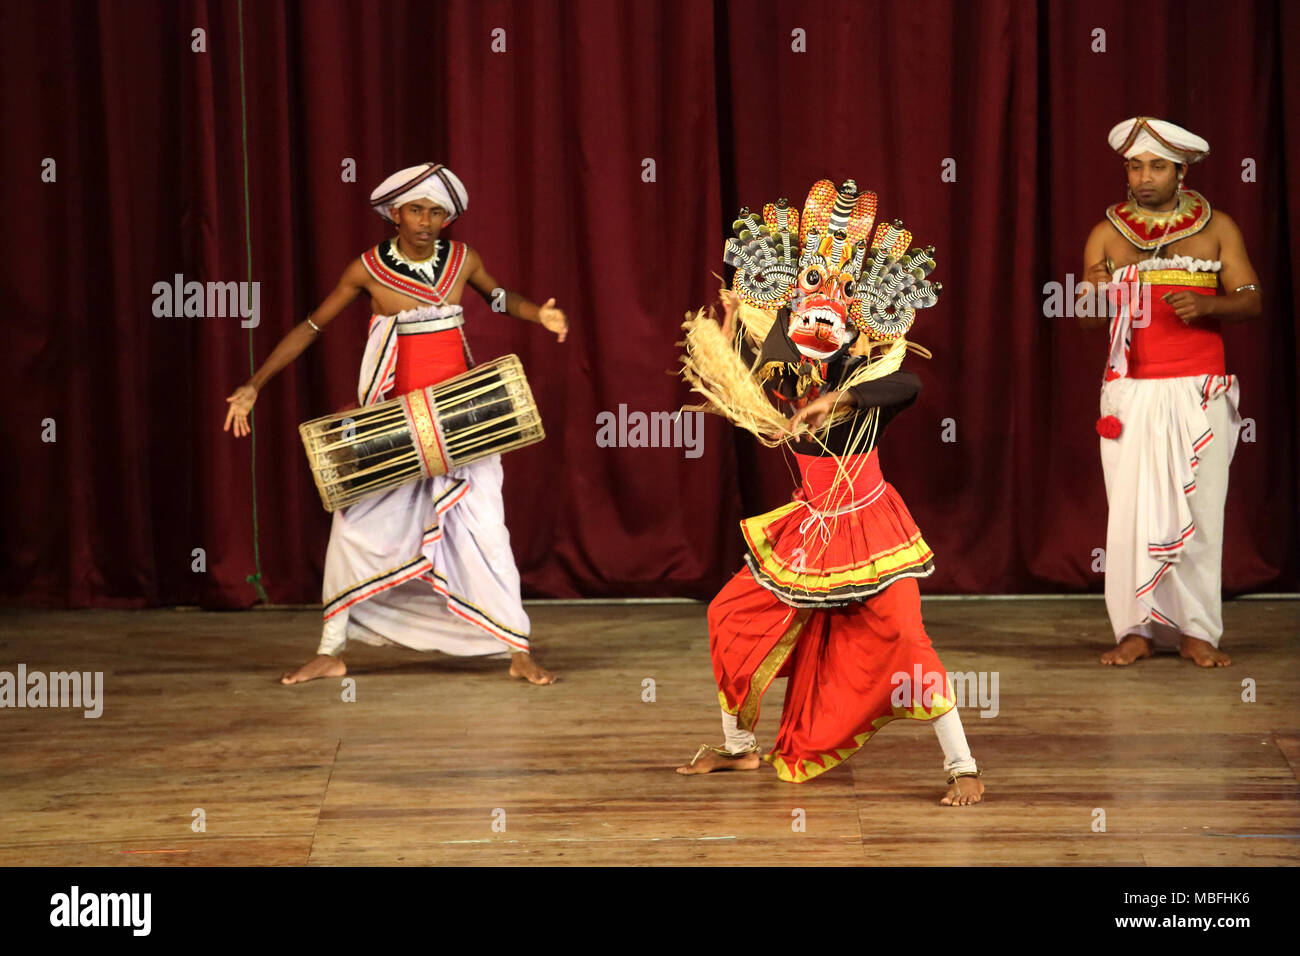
point(851, 669)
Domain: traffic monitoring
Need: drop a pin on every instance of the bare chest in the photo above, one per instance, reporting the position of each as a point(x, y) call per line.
point(1203, 245)
point(397, 284)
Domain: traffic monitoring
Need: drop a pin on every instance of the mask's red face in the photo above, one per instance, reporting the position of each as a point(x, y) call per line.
point(819, 311)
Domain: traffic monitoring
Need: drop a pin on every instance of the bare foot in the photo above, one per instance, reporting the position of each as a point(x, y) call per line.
point(322, 665)
point(1132, 648)
point(707, 760)
point(523, 666)
point(963, 792)
point(1202, 652)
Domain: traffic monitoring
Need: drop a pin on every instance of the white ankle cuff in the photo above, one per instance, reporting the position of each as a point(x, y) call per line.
point(737, 739)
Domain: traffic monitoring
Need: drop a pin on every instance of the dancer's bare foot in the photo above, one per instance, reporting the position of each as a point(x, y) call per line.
point(524, 667)
point(963, 792)
point(708, 760)
point(322, 665)
point(1202, 652)
point(1132, 648)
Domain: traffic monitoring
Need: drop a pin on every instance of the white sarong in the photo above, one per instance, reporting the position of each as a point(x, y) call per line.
point(427, 565)
point(1166, 484)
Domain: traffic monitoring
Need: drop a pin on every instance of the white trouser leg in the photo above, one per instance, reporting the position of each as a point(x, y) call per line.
point(956, 754)
point(334, 635)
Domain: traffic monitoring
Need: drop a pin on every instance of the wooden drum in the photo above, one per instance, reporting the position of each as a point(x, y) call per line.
point(486, 411)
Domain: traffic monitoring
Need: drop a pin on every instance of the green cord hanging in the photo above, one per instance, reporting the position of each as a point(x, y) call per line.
point(255, 578)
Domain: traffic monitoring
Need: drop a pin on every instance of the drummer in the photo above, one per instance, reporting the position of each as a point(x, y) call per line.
point(427, 565)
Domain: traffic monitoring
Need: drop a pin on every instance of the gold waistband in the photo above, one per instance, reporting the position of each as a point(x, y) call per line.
point(1202, 280)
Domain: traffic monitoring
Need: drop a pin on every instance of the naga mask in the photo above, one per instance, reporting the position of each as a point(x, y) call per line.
point(819, 324)
point(817, 265)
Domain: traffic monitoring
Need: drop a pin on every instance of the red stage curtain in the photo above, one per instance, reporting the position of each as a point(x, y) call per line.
point(552, 137)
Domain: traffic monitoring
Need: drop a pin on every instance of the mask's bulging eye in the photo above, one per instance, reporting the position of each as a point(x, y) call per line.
point(811, 279)
point(849, 288)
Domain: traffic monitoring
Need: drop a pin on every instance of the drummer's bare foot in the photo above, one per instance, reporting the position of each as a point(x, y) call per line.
point(524, 667)
point(1202, 652)
point(1133, 647)
point(322, 665)
point(710, 761)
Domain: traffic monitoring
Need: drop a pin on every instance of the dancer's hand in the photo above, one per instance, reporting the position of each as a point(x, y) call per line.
point(552, 319)
point(241, 403)
point(730, 306)
point(814, 413)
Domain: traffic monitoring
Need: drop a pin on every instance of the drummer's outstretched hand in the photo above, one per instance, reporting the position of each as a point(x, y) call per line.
point(553, 319)
point(241, 403)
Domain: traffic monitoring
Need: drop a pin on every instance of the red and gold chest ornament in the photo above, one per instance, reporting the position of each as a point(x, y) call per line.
point(1151, 230)
point(820, 265)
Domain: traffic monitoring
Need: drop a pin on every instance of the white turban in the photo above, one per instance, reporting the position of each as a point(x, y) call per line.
point(431, 181)
point(1142, 134)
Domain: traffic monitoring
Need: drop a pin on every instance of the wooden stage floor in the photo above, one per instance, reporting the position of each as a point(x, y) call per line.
point(419, 767)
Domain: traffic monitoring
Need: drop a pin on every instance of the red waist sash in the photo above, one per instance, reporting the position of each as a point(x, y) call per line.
point(821, 475)
point(1170, 348)
point(427, 358)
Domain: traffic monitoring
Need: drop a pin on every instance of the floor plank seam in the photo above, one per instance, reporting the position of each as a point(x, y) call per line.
point(311, 847)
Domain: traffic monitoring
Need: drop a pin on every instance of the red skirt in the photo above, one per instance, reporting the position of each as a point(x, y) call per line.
point(849, 537)
point(851, 670)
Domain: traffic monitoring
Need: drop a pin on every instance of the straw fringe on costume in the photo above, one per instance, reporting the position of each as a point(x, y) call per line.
point(716, 368)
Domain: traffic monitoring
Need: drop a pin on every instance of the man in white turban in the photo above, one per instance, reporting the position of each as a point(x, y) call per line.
point(1171, 269)
point(431, 181)
point(1143, 135)
point(427, 565)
